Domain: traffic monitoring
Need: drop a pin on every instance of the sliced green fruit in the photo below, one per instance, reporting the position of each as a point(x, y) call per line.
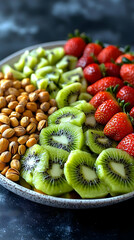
point(43, 62)
point(85, 96)
point(27, 71)
point(67, 63)
point(68, 95)
point(54, 55)
point(50, 178)
point(116, 168)
point(33, 156)
point(97, 141)
point(38, 52)
point(18, 75)
point(41, 72)
point(81, 174)
point(67, 114)
point(72, 76)
point(63, 136)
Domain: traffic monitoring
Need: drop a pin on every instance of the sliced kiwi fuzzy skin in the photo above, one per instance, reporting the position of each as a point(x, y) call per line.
point(67, 114)
point(50, 179)
point(116, 168)
point(63, 136)
point(81, 174)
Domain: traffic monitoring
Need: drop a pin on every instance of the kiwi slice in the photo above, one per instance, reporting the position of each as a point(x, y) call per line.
point(64, 136)
point(18, 75)
point(41, 72)
point(116, 168)
point(50, 178)
point(38, 52)
point(85, 96)
point(68, 95)
point(89, 111)
point(67, 78)
point(43, 62)
point(81, 174)
point(67, 114)
point(67, 63)
point(30, 161)
point(27, 71)
point(97, 141)
point(54, 55)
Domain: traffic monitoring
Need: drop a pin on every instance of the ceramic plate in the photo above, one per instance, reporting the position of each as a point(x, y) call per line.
point(49, 200)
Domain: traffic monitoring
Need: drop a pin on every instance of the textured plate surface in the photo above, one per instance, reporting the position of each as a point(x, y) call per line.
point(49, 200)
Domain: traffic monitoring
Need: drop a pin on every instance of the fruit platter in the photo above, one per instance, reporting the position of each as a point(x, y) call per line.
point(66, 123)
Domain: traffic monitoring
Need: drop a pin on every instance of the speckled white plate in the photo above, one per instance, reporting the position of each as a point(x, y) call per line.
point(49, 200)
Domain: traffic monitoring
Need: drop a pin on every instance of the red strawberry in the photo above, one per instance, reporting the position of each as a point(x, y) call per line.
point(127, 73)
point(106, 111)
point(118, 126)
point(84, 61)
point(103, 84)
point(132, 112)
point(127, 144)
point(126, 55)
point(100, 97)
point(126, 93)
point(75, 46)
point(92, 73)
point(108, 54)
point(112, 69)
point(92, 49)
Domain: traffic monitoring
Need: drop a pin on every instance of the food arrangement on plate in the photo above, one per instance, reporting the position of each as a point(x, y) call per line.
point(66, 120)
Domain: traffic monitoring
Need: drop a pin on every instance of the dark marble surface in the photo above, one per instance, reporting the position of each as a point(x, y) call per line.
point(24, 23)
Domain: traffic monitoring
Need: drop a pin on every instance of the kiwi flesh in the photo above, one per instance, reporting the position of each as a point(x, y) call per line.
point(81, 174)
point(72, 76)
point(116, 168)
point(50, 178)
point(30, 161)
point(18, 75)
point(89, 111)
point(63, 136)
point(67, 63)
point(67, 114)
point(97, 141)
point(85, 96)
point(68, 95)
point(54, 55)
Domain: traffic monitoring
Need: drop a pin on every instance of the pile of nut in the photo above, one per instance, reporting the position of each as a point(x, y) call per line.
point(23, 113)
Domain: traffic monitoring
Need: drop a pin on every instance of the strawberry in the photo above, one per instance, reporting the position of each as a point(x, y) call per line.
point(126, 93)
point(92, 73)
point(127, 73)
point(84, 61)
point(103, 84)
point(126, 55)
point(92, 49)
point(100, 97)
point(109, 54)
point(106, 111)
point(127, 144)
point(111, 69)
point(74, 46)
point(118, 126)
point(132, 112)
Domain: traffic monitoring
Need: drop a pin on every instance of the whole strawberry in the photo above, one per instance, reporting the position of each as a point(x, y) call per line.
point(127, 73)
point(75, 46)
point(92, 49)
point(118, 126)
point(100, 97)
point(126, 55)
point(132, 112)
point(84, 61)
point(109, 54)
point(103, 84)
point(106, 111)
point(126, 93)
point(112, 69)
point(127, 144)
point(92, 73)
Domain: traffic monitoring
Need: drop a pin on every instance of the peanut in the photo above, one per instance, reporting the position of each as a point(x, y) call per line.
point(24, 121)
point(14, 122)
point(53, 102)
point(7, 111)
point(5, 170)
point(25, 82)
point(21, 149)
point(12, 105)
point(13, 147)
point(8, 133)
point(32, 106)
point(30, 142)
point(19, 108)
point(43, 96)
point(3, 145)
point(5, 157)
point(31, 128)
point(16, 156)
point(45, 106)
point(41, 116)
point(3, 128)
point(3, 102)
point(10, 98)
point(19, 131)
point(52, 110)
point(2, 165)
point(33, 96)
point(23, 139)
point(15, 164)
point(30, 88)
point(28, 113)
point(42, 124)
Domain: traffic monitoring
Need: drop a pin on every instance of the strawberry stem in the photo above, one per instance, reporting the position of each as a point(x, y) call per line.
point(99, 43)
point(112, 89)
point(127, 49)
point(81, 35)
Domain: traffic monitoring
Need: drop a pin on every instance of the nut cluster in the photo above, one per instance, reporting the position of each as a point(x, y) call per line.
point(23, 113)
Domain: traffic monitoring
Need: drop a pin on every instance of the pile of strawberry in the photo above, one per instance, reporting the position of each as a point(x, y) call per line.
point(109, 72)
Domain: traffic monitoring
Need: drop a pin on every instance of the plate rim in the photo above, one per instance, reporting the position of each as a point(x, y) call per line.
point(47, 199)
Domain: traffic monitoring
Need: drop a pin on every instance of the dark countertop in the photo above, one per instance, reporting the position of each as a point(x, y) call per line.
point(25, 23)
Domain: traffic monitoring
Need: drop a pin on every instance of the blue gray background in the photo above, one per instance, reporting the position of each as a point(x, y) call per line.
point(28, 22)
